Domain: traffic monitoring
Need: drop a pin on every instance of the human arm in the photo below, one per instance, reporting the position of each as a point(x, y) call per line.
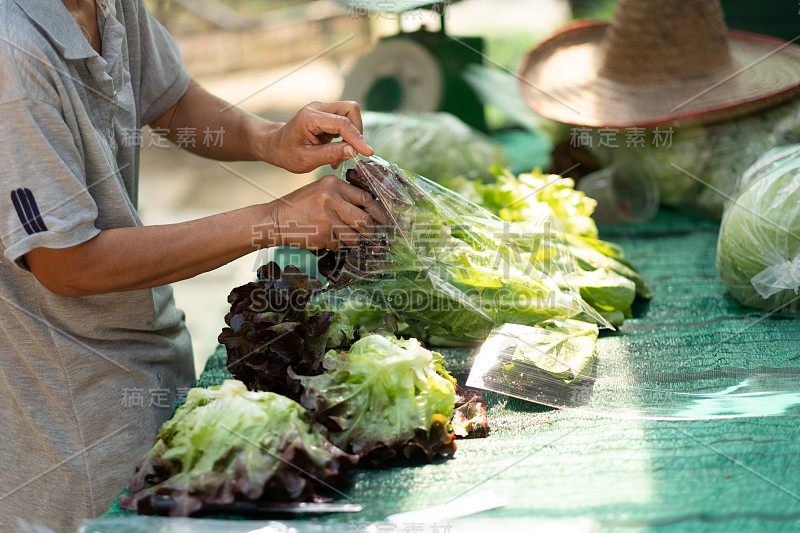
point(321, 215)
point(324, 215)
point(300, 145)
point(73, 253)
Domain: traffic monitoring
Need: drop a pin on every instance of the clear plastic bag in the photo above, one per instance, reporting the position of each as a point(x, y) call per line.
point(697, 167)
point(447, 267)
point(758, 252)
point(555, 364)
point(436, 145)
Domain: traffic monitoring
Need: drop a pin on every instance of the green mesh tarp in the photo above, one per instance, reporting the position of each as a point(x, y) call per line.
point(616, 469)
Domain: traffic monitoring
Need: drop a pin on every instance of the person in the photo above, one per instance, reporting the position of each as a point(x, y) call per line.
point(94, 351)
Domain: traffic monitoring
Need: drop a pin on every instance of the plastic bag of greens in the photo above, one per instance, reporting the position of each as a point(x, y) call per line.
point(758, 252)
point(436, 145)
point(697, 167)
point(447, 267)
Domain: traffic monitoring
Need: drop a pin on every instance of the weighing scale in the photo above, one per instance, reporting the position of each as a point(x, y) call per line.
point(418, 71)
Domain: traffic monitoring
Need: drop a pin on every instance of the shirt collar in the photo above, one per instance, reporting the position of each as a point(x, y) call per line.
point(54, 19)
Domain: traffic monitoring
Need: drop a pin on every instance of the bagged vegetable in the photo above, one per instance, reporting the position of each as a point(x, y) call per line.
point(605, 279)
point(758, 252)
point(448, 267)
point(697, 167)
point(537, 363)
point(437, 145)
point(383, 398)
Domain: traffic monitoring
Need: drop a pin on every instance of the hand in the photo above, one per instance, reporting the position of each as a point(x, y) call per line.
point(304, 143)
point(327, 214)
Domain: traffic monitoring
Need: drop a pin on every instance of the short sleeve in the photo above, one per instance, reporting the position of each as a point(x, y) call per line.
point(163, 78)
point(44, 200)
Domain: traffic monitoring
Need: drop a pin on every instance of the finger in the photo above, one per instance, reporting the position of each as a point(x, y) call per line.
point(349, 109)
point(363, 199)
point(324, 237)
point(353, 194)
point(358, 223)
point(375, 210)
point(332, 124)
point(329, 154)
point(340, 234)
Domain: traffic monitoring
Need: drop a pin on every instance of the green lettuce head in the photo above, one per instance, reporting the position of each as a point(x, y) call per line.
point(229, 444)
point(758, 252)
point(381, 395)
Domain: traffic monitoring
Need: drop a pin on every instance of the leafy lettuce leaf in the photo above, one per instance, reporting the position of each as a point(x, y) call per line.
point(447, 267)
point(274, 326)
point(606, 290)
point(534, 194)
point(565, 349)
point(470, 419)
point(229, 444)
point(382, 395)
point(278, 307)
point(516, 198)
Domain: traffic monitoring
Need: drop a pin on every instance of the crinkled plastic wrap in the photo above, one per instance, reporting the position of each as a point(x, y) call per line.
point(556, 364)
point(697, 167)
point(436, 145)
point(449, 268)
point(758, 252)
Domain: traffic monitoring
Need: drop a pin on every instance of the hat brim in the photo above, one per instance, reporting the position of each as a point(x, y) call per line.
point(561, 79)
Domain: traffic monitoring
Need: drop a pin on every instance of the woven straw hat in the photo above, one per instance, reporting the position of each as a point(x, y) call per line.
point(666, 62)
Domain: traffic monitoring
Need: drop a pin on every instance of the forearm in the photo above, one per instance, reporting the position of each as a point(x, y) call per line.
point(301, 145)
point(210, 127)
point(126, 259)
point(325, 214)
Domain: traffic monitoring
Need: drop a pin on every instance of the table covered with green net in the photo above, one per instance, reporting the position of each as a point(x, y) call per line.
point(735, 467)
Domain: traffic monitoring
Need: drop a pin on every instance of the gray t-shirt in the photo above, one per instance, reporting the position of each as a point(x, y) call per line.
point(85, 382)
